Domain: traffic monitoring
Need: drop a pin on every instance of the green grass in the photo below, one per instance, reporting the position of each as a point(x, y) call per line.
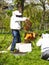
point(32, 58)
point(5, 41)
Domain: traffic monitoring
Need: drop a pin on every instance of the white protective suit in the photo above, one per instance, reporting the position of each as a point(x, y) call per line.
point(15, 21)
point(44, 42)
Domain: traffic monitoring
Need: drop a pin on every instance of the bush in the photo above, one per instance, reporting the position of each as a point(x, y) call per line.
point(9, 12)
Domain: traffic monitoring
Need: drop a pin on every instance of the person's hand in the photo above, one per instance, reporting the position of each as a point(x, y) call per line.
point(28, 19)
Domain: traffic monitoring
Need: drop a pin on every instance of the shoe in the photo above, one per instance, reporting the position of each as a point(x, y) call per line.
point(11, 51)
point(15, 51)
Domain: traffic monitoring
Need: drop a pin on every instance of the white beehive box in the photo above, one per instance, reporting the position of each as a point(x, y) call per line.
point(24, 47)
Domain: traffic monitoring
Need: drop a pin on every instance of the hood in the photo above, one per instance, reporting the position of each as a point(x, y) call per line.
point(14, 13)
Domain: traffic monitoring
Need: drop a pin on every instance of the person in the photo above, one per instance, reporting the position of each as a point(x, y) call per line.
point(15, 25)
point(44, 43)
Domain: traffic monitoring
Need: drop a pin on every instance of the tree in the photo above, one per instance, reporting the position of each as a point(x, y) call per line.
point(34, 6)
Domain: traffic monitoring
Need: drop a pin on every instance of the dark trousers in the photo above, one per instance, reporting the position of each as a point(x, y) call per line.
point(45, 55)
point(16, 39)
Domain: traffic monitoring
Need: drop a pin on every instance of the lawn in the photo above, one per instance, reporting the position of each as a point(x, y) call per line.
point(32, 58)
point(5, 41)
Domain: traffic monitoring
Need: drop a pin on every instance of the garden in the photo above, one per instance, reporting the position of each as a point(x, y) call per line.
point(40, 24)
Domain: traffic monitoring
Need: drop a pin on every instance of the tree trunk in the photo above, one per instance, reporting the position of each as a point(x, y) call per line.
point(43, 16)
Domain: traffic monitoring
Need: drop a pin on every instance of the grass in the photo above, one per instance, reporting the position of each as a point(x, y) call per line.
point(32, 58)
point(5, 41)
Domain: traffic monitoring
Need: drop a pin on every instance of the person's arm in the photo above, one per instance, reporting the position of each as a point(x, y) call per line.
point(20, 18)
